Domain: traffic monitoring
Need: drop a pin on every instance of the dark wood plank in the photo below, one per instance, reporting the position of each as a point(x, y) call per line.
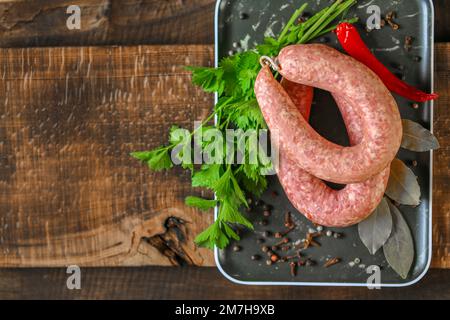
point(441, 176)
point(26, 23)
point(69, 191)
point(190, 283)
point(442, 15)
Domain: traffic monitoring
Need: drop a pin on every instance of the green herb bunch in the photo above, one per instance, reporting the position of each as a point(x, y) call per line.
point(233, 82)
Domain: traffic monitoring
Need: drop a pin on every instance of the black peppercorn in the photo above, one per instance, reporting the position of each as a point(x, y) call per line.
point(243, 16)
point(267, 234)
point(260, 241)
point(256, 257)
point(309, 263)
point(264, 222)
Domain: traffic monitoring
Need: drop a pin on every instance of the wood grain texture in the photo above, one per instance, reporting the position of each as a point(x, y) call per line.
point(441, 186)
point(442, 16)
point(69, 191)
point(191, 283)
point(25, 23)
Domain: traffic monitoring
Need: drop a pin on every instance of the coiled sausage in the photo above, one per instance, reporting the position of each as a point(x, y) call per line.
point(321, 66)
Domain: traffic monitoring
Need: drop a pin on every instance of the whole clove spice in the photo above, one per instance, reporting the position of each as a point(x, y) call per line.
point(314, 243)
point(293, 267)
point(390, 16)
point(309, 241)
point(284, 241)
point(408, 43)
point(332, 262)
point(288, 222)
point(280, 235)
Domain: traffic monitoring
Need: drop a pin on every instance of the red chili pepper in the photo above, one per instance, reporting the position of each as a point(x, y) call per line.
point(353, 44)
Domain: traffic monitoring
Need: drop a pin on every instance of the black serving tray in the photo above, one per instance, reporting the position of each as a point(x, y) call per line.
point(266, 18)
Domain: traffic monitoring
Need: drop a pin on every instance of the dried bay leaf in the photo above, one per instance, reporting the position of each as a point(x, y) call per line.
point(399, 248)
point(417, 138)
point(375, 230)
point(403, 186)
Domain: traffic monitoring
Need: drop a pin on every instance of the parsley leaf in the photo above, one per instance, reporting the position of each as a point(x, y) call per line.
point(157, 159)
point(213, 236)
point(207, 176)
point(200, 203)
point(209, 79)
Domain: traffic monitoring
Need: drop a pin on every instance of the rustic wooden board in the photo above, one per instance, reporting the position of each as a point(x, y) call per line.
point(26, 23)
point(441, 185)
point(70, 194)
point(69, 191)
point(192, 283)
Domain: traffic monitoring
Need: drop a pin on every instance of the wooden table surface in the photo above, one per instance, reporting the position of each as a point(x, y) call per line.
point(24, 24)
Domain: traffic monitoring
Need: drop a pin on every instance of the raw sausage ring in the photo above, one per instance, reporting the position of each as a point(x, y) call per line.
point(310, 195)
point(290, 108)
point(323, 67)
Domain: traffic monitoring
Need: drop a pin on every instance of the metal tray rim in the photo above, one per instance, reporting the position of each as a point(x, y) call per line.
point(338, 284)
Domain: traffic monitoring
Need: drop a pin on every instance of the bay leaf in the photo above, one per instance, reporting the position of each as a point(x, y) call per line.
point(417, 138)
point(375, 230)
point(399, 248)
point(403, 186)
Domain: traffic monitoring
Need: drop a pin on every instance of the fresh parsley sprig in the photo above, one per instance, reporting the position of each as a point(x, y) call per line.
point(233, 81)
